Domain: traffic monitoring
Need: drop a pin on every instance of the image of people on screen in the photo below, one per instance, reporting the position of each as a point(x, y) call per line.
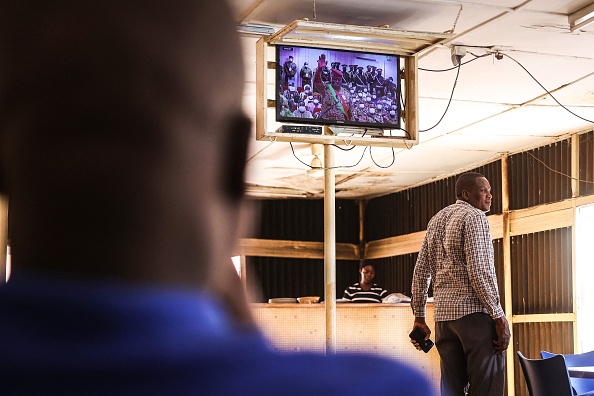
point(289, 71)
point(338, 86)
point(335, 97)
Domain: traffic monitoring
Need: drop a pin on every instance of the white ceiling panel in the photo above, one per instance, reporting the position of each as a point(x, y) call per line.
point(497, 107)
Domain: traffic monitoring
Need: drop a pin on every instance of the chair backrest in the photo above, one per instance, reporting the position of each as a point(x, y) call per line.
point(545, 377)
point(581, 385)
point(573, 360)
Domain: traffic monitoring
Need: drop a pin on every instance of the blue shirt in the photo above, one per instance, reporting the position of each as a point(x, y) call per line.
point(73, 337)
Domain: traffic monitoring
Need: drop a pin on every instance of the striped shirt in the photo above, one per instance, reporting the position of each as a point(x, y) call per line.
point(457, 255)
point(357, 295)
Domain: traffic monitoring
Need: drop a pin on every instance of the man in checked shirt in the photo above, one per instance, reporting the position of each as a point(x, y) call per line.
point(471, 331)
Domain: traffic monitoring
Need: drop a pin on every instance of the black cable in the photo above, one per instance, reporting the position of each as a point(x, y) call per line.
point(350, 148)
point(380, 166)
point(454, 67)
point(546, 90)
point(344, 149)
point(332, 167)
point(295, 155)
point(449, 102)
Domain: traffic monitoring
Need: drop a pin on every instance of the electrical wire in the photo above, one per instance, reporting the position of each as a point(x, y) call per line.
point(401, 99)
point(546, 90)
point(455, 67)
point(331, 167)
point(558, 172)
point(380, 166)
point(449, 101)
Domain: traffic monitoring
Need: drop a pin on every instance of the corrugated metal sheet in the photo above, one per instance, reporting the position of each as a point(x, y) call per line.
point(395, 273)
point(499, 264)
point(541, 272)
point(409, 211)
point(586, 173)
point(531, 338)
point(540, 176)
point(303, 220)
point(271, 277)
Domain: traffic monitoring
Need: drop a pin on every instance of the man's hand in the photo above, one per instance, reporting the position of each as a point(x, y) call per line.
point(420, 322)
point(503, 335)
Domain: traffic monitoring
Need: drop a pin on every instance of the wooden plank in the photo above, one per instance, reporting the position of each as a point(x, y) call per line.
point(496, 226)
point(541, 221)
point(394, 246)
point(411, 243)
point(526, 221)
point(585, 200)
point(534, 318)
point(293, 249)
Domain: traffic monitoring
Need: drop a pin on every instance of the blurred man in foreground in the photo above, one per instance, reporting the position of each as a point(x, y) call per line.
point(123, 159)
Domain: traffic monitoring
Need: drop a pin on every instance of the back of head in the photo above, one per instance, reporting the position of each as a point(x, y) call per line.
point(122, 140)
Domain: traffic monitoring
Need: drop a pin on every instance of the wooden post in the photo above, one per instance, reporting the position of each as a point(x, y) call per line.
point(330, 248)
point(3, 236)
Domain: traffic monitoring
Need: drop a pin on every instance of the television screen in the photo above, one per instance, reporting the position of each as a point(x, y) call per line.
point(337, 87)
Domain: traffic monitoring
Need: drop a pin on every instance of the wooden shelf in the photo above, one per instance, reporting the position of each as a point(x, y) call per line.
point(376, 141)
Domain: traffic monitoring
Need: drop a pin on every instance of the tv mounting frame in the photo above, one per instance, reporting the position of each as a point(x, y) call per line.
point(406, 44)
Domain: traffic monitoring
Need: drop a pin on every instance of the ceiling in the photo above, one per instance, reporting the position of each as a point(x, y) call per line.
point(498, 106)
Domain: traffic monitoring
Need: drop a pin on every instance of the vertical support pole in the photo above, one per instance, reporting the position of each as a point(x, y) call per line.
point(330, 248)
point(243, 271)
point(575, 192)
point(3, 237)
point(507, 278)
point(362, 229)
point(411, 89)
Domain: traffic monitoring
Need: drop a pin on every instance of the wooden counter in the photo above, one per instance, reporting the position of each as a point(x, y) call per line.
point(380, 329)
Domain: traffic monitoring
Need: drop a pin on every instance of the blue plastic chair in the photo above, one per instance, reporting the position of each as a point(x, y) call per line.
point(547, 377)
point(581, 385)
point(573, 360)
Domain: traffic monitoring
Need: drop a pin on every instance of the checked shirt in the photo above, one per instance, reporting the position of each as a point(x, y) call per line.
point(457, 255)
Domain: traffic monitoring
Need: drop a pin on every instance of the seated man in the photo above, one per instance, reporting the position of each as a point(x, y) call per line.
point(125, 181)
point(365, 291)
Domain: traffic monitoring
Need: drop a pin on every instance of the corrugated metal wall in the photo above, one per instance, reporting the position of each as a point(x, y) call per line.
point(303, 220)
point(541, 284)
point(273, 277)
point(541, 272)
point(586, 173)
point(541, 263)
point(531, 338)
point(409, 211)
point(395, 273)
point(540, 176)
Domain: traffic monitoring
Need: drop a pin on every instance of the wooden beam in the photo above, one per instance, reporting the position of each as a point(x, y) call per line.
point(524, 221)
point(411, 243)
point(561, 216)
point(394, 246)
point(293, 249)
point(538, 318)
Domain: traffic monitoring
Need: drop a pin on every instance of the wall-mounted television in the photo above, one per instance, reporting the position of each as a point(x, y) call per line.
point(337, 87)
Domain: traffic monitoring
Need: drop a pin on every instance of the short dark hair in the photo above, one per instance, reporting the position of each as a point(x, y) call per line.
point(465, 182)
point(363, 263)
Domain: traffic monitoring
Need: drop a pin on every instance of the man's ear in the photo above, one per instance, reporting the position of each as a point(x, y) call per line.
point(235, 156)
point(465, 195)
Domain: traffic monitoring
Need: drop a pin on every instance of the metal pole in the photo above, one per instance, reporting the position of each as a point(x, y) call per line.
point(3, 236)
point(330, 248)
